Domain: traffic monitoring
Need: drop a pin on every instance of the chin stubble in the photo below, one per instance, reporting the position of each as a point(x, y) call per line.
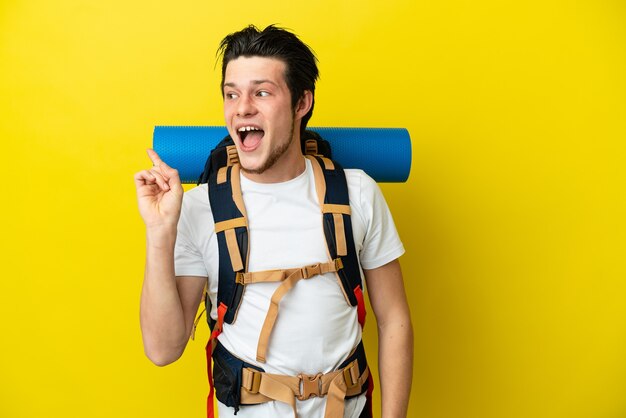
point(273, 157)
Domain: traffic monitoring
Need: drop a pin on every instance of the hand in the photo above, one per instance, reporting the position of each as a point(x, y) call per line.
point(159, 193)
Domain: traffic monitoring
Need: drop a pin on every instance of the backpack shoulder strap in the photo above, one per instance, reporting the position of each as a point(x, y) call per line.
point(231, 224)
point(332, 193)
point(231, 228)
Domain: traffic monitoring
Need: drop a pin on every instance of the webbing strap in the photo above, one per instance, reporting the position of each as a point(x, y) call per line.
point(310, 147)
point(221, 311)
point(280, 275)
point(230, 224)
point(232, 157)
point(330, 208)
point(320, 183)
point(328, 164)
point(342, 227)
point(233, 249)
point(340, 235)
point(336, 210)
point(235, 184)
point(259, 387)
point(288, 281)
point(222, 175)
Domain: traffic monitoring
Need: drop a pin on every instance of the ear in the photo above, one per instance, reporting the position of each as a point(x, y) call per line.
point(304, 104)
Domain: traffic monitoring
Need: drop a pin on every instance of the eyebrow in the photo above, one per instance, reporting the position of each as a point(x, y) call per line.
point(255, 82)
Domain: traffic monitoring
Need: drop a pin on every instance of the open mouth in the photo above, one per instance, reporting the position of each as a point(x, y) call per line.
point(250, 137)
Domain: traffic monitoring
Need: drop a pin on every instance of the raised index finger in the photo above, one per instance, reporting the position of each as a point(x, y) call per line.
point(166, 171)
point(154, 157)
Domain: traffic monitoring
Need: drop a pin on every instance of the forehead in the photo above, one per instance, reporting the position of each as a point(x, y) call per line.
point(244, 70)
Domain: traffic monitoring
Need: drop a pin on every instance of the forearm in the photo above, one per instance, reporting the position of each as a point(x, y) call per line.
point(161, 312)
point(395, 360)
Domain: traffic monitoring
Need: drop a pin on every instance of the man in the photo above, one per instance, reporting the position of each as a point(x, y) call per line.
point(268, 81)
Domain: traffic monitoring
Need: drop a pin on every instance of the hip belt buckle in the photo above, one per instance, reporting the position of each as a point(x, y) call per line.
point(310, 385)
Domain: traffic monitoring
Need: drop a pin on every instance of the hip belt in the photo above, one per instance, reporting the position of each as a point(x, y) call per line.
point(239, 383)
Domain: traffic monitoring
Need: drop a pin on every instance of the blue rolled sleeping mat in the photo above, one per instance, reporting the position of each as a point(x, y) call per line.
point(383, 153)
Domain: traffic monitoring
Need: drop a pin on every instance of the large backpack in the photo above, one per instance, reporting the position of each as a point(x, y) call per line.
point(221, 172)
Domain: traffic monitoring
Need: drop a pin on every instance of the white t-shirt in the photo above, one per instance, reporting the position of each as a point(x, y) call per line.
point(316, 329)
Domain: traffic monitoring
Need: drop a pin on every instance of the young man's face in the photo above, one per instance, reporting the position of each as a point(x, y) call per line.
point(260, 118)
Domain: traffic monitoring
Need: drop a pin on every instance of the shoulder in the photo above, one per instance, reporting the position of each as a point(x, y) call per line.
point(375, 229)
point(362, 188)
point(365, 197)
point(197, 195)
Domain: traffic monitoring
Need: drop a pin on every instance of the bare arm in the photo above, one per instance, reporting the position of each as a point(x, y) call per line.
point(168, 304)
point(395, 337)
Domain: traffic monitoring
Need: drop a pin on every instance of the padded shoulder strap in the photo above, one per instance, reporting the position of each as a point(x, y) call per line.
point(231, 228)
point(332, 193)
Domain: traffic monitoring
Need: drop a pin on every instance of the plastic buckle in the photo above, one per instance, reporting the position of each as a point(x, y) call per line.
point(256, 381)
point(239, 278)
point(309, 386)
point(310, 147)
point(232, 157)
point(338, 264)
point(310, 271)
point(349, 377)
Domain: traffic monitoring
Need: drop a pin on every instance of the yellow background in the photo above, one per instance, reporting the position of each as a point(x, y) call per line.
point(513, 217)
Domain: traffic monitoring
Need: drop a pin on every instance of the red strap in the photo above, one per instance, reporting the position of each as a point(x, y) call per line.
point(360, 307)
point(221, 311)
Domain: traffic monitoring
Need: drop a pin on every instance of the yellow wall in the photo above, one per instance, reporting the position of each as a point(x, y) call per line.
point(513, 217)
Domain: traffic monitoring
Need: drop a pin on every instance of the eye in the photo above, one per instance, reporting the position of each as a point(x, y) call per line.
point(263, 93)
point(230, 96)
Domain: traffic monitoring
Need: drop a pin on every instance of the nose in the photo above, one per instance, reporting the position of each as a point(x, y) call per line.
point(245, 106)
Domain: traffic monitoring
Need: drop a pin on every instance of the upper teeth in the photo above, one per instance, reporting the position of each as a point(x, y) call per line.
point(248, 128)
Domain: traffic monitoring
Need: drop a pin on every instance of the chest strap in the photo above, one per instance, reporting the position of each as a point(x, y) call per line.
point(289, 278)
